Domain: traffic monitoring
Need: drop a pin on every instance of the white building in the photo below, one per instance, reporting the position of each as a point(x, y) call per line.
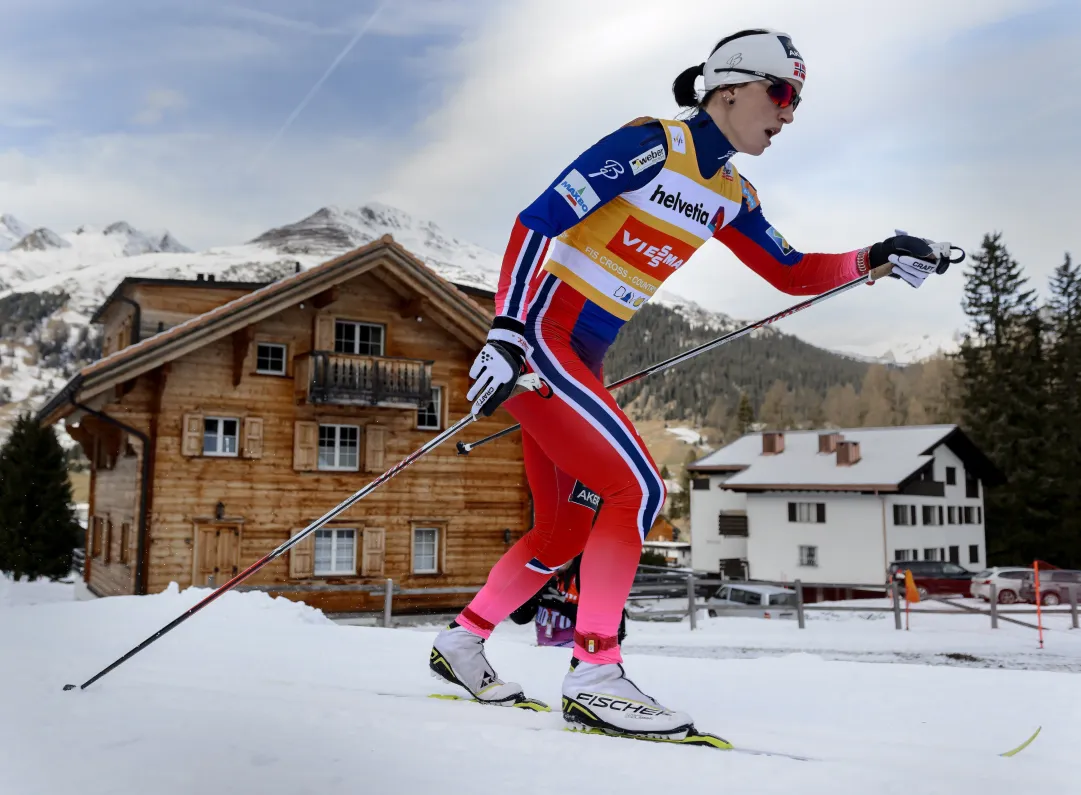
point(839, 506)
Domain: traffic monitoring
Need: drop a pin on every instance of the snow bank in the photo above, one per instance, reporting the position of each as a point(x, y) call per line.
point(256, 695)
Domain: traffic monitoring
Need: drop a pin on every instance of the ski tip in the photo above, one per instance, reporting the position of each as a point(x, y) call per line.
point(1024, 745)
point(69, 687)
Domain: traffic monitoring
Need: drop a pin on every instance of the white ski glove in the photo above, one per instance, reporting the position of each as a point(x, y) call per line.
point(495, 371)
point(913, 258)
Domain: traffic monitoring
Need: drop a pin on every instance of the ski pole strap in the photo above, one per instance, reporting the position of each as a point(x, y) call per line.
point(595, 643)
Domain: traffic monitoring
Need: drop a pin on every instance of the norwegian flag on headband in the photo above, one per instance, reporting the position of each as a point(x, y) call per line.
point(799, 71)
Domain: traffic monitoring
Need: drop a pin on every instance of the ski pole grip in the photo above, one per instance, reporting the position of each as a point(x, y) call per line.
point(881, 272)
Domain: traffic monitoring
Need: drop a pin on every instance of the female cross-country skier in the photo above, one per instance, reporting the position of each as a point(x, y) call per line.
point(583, 258)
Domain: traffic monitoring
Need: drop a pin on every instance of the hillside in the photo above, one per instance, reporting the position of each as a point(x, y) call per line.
point(51, 283)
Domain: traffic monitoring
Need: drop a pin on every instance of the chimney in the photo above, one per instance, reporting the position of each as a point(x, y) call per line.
point(827, 442)
point(210, 277)
point(772, 443)
point(848, 453)
point(198, 277)
point(297, 268)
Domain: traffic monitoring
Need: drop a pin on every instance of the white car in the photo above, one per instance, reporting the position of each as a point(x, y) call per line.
point(1007, 579)
point(738, 599)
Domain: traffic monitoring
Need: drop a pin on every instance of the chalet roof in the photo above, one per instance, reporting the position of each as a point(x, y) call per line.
point(209, 282)
point(467, 319)
point(888, 458)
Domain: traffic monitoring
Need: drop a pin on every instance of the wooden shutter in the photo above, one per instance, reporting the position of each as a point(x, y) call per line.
point(305, 446)
point(192, 434)
point(374, 448)
point(302, 557)
point(821, 513)
point(374, 552)
point(791, 511)
point(107, 543)
point(253, 437)
point(324, 333)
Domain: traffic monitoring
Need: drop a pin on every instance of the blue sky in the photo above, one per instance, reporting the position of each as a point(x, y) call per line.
point(948, 119)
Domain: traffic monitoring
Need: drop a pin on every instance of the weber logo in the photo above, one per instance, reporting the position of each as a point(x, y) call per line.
point(618, 705)
point(674, 201)
point(580, 495)
point(647, 159)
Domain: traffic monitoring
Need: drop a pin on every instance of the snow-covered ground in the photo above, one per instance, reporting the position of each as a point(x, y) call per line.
point(262, 695)
point(686, 435)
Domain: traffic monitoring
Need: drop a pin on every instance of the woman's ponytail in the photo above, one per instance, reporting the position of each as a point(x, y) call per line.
point(683, 86)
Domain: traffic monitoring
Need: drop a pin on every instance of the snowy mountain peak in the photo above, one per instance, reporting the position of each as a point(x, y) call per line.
point(12, 230)
point(169, 244)
point(41, 240)
point(332, 230)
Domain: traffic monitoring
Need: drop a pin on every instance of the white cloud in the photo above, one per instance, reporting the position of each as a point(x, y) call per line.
point(863, 157)
point(195, 185)
point(157, 102)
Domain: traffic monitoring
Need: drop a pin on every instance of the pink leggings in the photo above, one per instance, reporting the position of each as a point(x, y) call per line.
point(577, 432)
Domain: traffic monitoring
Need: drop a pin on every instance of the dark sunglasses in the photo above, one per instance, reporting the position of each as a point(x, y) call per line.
point(780, 91)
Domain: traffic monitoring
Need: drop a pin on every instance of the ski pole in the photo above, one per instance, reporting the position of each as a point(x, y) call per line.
point(527, 382)
point(464, 448)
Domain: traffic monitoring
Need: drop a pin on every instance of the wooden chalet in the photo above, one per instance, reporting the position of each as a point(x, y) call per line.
point(224, 417)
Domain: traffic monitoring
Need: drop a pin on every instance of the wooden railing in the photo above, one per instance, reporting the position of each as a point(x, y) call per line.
point(325, 377)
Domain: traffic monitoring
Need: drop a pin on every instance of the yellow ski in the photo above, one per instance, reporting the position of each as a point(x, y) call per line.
point(1022, 746)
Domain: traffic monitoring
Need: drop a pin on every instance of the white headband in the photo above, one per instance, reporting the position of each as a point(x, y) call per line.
point(770, 53)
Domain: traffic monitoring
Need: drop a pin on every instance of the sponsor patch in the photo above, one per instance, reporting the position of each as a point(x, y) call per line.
point(580, 495)
point(799, 71)
point(649, 249)
point(789, 48)
point(647, 159)
point(679, 143)
point(750, 196)
point(718, 220)
point(778, 238)
point(674, 201)
point(578, 193)
point(609, 170)
point(628, 297)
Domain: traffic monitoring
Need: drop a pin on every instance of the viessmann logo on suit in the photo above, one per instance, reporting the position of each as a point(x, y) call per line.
point(644, 247)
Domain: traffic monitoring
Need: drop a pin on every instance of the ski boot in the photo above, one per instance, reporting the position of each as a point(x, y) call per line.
point(458, 658)
point(600, 698)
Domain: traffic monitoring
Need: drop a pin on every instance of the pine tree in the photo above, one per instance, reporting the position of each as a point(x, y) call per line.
point(1064, 411)
point(995, 380)
point(744, 414)
point(38, 528)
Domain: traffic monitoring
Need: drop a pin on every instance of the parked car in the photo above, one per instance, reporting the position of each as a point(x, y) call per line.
point(933, 577)
point(737, 599)
point(1006, 579)
point(1055, 587)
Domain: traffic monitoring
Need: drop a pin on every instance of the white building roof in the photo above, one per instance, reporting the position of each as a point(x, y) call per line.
point(887, 457)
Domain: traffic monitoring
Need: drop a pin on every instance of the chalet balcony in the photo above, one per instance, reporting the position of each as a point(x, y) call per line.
point(345, 379)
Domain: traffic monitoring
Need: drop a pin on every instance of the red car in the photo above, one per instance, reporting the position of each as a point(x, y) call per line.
point(934, 577)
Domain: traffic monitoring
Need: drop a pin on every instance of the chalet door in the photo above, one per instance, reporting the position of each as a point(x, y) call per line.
point(217, 554)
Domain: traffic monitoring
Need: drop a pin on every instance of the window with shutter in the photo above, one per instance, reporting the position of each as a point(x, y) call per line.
point(374, 552)
point(305, 446)
point(374, 448)
point(192, 435)
point(302, 557)
point(253, 437)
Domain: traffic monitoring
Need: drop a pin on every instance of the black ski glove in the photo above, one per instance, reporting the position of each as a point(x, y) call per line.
point(913, 258)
